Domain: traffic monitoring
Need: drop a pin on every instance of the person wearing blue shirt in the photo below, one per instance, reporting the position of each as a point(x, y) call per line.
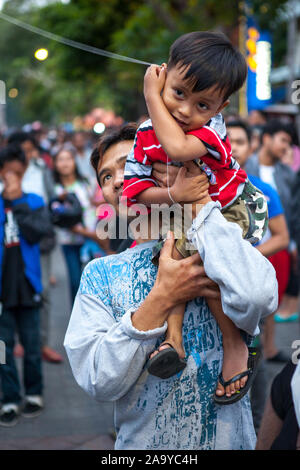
point(24, 220)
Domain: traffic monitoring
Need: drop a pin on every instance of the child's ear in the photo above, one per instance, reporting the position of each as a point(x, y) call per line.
point(223, 105)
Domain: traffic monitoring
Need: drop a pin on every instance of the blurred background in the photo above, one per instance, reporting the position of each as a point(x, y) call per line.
point(61, 85)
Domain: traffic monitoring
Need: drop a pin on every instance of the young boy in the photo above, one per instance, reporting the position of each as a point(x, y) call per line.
point(184, 101)
point(24, 220)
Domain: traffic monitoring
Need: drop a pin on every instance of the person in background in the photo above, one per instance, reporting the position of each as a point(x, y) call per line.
point(276, 140)
point(279, 428)
point(38, 179)
point(273, 245)
point(24, 220)
point(68, 180)
point(82, 156)
point(292, 155)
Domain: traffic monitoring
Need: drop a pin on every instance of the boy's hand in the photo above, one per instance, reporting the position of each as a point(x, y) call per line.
point(12, 186)
point(190, 188)
point(154, 80)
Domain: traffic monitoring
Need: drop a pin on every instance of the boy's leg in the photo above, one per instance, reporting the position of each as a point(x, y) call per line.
point(235, 350)
point(8, 371)
point(175, 321)
point(29, 332)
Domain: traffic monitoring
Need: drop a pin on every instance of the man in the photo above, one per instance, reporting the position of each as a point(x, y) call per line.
point(38, 179)
point(276, 140)
point(273, 245)
point(119, 318)
point(82, 156)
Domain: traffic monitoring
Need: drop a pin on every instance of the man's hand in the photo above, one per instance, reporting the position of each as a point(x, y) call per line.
point(177, 281)
point(163, 177)
point(185, 278)
point(189, 188)
point(12, 186)
point(154, 80)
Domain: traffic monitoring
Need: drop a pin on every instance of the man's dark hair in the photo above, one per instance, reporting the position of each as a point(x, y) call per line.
point(20, 137)
point(123, 133)
point(11, 153)
point(210, 60)
point(274, 126)
point(242, 125)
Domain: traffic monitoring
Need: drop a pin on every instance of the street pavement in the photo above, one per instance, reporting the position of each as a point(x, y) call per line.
point(71, 419)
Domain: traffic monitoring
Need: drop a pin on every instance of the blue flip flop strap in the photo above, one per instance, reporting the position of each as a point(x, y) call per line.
point(234, 379)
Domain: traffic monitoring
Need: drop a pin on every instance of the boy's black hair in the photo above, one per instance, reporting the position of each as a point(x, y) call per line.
point(120, 134)
point(242, 125)
point(11, 153)
point(210, 60)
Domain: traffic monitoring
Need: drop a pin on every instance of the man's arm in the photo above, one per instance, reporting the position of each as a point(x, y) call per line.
point(107, 357)
point(269, 429)
point(279, 239)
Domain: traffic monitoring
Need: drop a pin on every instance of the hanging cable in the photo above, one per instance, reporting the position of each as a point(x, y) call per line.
point(69, 42)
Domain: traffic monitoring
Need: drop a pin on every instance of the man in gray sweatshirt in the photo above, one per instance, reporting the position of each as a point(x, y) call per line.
point(119, 318)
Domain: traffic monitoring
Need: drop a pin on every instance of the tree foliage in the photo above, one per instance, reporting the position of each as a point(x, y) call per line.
point(71, 81)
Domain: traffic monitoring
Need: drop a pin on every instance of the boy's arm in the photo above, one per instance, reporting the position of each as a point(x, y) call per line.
point(178, 146)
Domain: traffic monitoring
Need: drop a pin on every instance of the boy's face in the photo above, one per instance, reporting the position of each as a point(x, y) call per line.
point(11, 175)
point(14, 167)
point(191, 110)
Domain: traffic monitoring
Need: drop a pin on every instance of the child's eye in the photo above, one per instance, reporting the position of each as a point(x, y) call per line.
point(104, 178)
point(179, 93)
point(202, 106)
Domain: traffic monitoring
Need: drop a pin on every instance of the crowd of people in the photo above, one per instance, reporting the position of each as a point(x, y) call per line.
point(54, 186)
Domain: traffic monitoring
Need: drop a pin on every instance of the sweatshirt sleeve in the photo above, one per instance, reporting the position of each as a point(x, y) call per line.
point(106, 356)
point(247, 280)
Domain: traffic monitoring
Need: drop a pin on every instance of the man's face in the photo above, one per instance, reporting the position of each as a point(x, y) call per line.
point(111, 171)
point(79, 141)
point(240, 144)
point(191, 110)
point(277, 145)
point(30, 150)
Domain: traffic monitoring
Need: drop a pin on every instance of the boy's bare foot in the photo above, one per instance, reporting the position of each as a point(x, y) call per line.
point(177, 345)
point(235, 361)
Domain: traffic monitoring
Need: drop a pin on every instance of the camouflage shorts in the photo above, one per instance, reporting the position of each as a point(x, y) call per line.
point(249, 211)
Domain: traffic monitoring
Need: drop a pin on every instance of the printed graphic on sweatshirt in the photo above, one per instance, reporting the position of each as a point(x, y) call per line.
point(11, 230)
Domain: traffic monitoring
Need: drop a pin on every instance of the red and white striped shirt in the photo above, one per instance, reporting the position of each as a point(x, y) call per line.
point(229, 177)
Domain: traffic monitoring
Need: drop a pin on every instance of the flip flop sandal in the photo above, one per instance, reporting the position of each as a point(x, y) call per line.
point(166, 363)
point(253, 361)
